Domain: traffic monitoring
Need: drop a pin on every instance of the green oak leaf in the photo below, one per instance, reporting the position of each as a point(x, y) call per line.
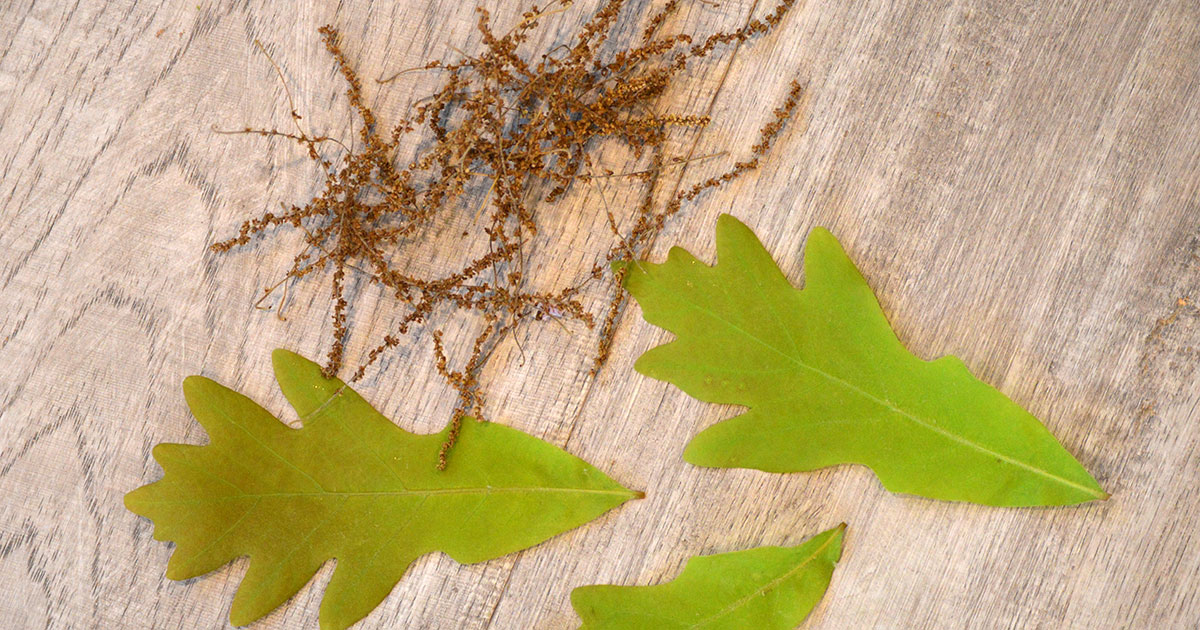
point(827, 382)
point(353, 486)
point(768, 588)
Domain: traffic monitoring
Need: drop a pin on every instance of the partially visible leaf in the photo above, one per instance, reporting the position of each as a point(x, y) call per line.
point(768, 588)
point(827, 381)
point(353, 486)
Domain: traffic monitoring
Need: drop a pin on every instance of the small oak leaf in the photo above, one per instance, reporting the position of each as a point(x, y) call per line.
point(768, 588)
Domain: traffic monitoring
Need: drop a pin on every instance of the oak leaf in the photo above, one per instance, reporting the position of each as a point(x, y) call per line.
point(351, 485)
point(768, 588)
point(827, 382)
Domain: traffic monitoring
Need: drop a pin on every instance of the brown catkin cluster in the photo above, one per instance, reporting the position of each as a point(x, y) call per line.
point(527, 126)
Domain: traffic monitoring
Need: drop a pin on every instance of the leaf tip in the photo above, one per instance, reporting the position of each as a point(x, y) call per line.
point(641, 366)
point(1091, 490)
point(173, 573)
point(692, 454)
point(1100, 493)
point(731, 230)
point(708, 449)
point(727, 221)
point(194, 383)
point(837, 541)
point(821, 238)
point(282, 358)
point(820, 231)
point(577, 599)
point(195, 390)
point(130, 500)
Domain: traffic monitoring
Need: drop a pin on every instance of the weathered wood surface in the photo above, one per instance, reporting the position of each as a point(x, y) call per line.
point(1018, 180)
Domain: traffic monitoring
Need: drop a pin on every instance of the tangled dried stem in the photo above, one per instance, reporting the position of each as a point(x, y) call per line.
point(529, 125)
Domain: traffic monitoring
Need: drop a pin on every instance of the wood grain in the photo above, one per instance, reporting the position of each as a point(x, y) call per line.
point(1018, 180)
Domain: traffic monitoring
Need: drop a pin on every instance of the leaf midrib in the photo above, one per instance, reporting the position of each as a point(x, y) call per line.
point(483, 491)
point(880, 401)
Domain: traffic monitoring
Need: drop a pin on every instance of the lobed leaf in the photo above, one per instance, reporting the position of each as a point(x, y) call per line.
point(354, 487)
point(827, 382)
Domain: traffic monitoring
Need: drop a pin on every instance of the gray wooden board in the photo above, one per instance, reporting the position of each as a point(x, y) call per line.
point(1017, 180)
